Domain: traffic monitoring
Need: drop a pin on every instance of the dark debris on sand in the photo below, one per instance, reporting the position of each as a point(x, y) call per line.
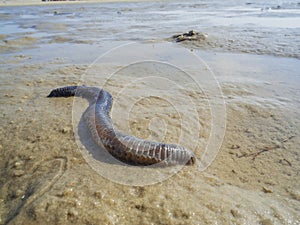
point(190, 36)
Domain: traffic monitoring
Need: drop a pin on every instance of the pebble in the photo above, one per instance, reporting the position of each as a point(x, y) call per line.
point(18, 173)
point(267, 190)
point(18, 164)
point(235, 213)
point(98, 194)
point(19, 109)
point(266, 222)
point(235, 146)
point(31, 157)
point(66, 130)
point(72, 212)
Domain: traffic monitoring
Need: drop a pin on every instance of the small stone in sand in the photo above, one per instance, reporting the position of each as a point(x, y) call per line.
point(98, 194)
point(267, 190)
point(266, 222)
point(66, 130)
point(235, 146)
point(18, 164)
point(18, 173)
point(235, 213)
point(72, 212)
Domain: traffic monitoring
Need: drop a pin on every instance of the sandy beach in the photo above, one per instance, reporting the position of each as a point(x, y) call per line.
point(44, 177)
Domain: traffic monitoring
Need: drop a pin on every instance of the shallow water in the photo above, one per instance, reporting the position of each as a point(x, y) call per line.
point(244, 26)
point(254, 178)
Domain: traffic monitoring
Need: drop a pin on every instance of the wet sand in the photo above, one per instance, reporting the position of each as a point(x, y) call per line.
point(253, 179)
point(43, 176)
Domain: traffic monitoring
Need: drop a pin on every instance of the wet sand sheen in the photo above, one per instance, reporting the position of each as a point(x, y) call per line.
point(241, 185)
point(98, 24)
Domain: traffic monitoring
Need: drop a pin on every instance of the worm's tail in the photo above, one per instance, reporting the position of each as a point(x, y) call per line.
point(63, 92)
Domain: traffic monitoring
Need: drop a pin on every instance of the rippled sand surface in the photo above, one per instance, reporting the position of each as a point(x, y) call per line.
point(44, 176)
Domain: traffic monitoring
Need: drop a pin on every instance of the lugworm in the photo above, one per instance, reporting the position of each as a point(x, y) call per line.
point(127, 148)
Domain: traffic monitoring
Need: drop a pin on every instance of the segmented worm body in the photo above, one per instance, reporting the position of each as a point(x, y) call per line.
point(126, 148)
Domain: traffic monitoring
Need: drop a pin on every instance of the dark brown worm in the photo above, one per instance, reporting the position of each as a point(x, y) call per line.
point(124, 147)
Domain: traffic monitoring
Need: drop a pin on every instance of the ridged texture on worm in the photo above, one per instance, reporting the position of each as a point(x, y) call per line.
point(63, 92)
point(126, 148)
